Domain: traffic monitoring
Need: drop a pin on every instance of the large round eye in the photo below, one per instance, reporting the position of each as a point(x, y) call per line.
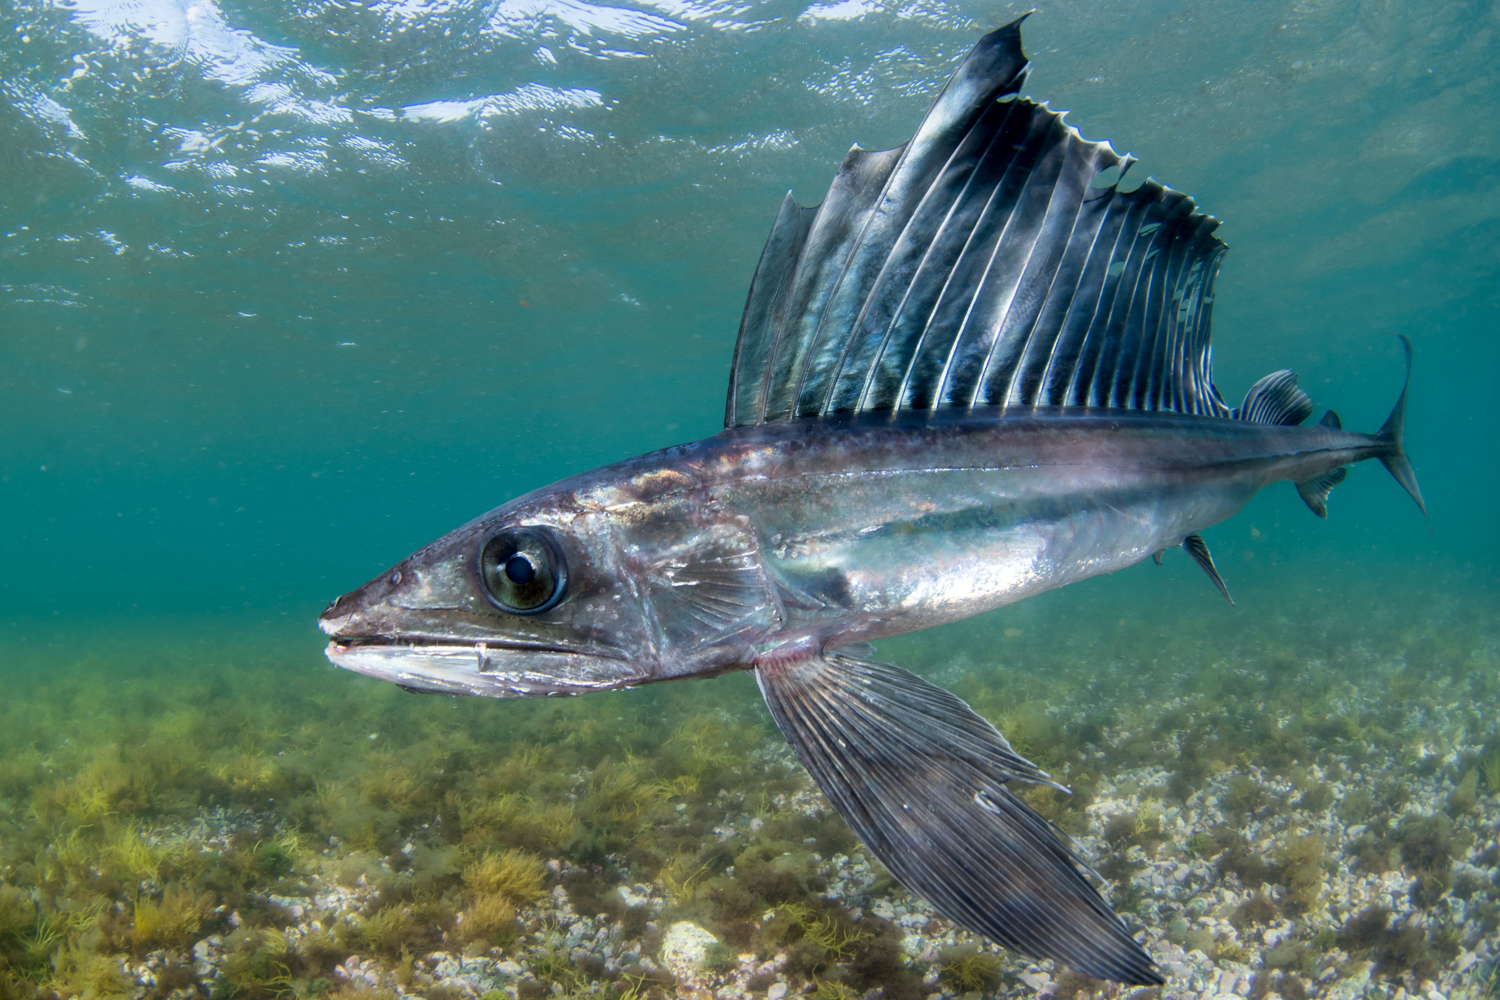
point(523, 570)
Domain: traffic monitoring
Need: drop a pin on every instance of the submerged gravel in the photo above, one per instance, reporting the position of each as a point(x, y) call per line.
point(1186, 902)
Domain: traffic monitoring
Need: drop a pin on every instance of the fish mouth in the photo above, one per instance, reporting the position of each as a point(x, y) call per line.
point(493, 668)
point(473, 646)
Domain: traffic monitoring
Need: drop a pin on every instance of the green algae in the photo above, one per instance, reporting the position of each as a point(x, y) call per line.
point(1466, 795)
point(1301, 865)
point(1490, 765)
point(969, 968)
point(454, 819)
point(1396, 950)
point(91, 819)
point(1257, 908)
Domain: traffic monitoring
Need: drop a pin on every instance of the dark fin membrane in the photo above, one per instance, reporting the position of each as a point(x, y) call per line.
point(1314, 492)
point(1276, 399)
point(1394, 433)
point(922, 781)
point(991, 261)
point(1156, 558)
point(1198, 549)
point(1331, 419)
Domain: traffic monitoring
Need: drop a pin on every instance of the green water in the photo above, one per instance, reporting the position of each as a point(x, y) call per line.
point(287, 291)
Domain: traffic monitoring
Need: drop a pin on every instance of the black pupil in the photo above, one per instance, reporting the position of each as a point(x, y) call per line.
point(519, 569)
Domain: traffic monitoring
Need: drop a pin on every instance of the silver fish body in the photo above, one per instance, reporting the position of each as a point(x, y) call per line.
point(977, 371)
point(786, 539)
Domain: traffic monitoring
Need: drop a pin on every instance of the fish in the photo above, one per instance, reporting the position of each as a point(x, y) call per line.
point(978, 370)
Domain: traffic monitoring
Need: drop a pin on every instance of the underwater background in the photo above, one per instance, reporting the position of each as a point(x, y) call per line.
point(288, 290)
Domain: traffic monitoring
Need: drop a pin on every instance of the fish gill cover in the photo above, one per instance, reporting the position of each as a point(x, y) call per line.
point(287, 292)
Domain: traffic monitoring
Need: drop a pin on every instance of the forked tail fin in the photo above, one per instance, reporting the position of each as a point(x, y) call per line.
point(1394, 432)
point(926, 785)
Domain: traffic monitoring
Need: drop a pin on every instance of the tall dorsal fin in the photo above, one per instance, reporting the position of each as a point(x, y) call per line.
point(992, 260)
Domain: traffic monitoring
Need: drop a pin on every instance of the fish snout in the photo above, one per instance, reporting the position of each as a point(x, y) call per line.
point(336, 618)
point(359, 612)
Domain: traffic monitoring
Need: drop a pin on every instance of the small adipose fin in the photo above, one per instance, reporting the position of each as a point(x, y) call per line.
point(1331, 419)
point(1198, 549)
point(1314, 492)
point(924, 783)
point(1276, 399)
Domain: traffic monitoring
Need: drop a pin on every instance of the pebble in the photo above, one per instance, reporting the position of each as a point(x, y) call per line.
point(1038, 981)
point(685, 947)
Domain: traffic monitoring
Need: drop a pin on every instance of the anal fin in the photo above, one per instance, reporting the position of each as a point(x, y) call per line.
point(1314, 492)
point(924, 783)
point(1198, 549)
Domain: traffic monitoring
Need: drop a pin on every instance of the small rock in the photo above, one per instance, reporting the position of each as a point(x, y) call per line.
point(685, 947)
point(776, 992)
point(1038, 981)
point(633, 896)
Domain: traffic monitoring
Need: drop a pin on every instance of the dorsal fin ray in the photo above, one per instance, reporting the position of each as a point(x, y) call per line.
point(992, 260)
point(1276, 399)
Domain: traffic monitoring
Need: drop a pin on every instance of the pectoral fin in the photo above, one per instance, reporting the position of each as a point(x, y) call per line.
point(1198, 549)
point(925, 784)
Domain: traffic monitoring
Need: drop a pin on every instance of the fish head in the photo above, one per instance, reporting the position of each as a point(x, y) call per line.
point(612, 579)
point(527, 600)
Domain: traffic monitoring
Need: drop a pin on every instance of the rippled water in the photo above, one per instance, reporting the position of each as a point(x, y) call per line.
point(287, 290)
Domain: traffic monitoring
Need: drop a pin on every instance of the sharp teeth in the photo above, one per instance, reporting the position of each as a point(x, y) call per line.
point(481, 652)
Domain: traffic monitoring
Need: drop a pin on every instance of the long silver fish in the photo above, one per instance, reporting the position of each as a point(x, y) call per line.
point(977, 371)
